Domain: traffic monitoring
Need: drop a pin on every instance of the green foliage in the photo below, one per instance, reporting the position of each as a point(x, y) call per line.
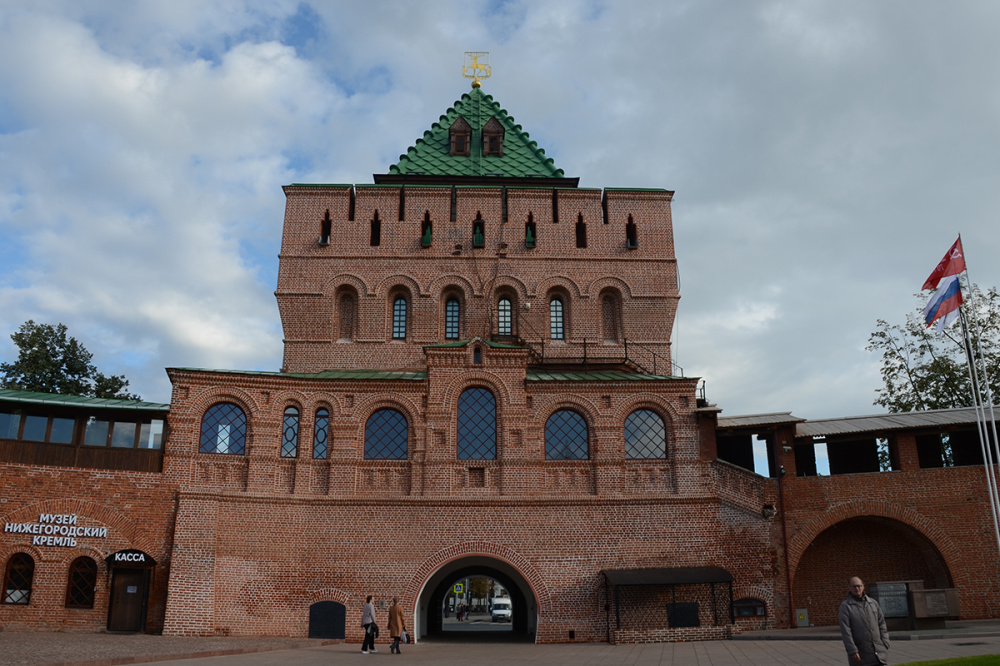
point(923, 371)
point(50, 361)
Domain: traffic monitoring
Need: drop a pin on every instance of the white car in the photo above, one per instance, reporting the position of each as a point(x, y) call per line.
point(501, 610)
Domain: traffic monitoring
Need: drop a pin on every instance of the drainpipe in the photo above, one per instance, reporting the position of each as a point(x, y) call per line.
point(784, 533)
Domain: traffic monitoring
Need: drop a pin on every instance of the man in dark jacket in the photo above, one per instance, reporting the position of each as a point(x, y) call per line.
point(862, 626)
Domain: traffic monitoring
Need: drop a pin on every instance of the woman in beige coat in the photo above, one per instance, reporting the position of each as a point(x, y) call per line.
point(397, 624)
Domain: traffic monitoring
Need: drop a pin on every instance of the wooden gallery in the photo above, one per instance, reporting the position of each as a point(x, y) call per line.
point(477, 381)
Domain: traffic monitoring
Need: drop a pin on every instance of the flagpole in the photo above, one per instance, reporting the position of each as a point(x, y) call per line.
point(991, 484)
point(981, 411)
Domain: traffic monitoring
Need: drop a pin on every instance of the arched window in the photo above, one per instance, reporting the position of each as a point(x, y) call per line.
point(347, 310)
point(610, 320)
point(321, 434)
point(504, 318)
point(17, 579)
point(477, 425)
point(452, 312)
point(399, 318)
point(566, 436)
point(530, 232)
point(479, 231)
point(224, 429)
point(290, 434)
point(386, 435)
point(82, 583)
point(556, 329)
point(645, 435)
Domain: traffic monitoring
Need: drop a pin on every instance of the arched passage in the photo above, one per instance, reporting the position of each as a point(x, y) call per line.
point(872, 547)
point(431, 600)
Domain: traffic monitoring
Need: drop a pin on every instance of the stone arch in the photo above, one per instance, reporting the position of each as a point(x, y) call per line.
point(805, 536)
point(395, 282)
point(555, 283)
point(334, 284)
point(600, 284)
point(451, 393)
point(442, 283)
point(512, 284)
point(484, 554)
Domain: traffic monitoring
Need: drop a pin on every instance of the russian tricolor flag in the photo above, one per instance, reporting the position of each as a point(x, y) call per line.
point(943, 306)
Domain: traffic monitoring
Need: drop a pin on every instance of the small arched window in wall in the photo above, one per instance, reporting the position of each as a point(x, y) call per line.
point(321, 434)
point(290, 433)
point(566, 436)
point(557, 330)
point(645, 435)
point(80, 586)
point(581, 232)
point(631, 234)
point(478, 231)
point(477, 356)
point(347, 314)
point(749, 608)
point(530, 232)
point(493, 138)
point(460, 135)
point(399, 307)
point(452, 318)
point(224, 429)
point(505, 324)
point(477, 425)
point(18, 576)
point(375, 239)
point(610, 317)
point(386, 436)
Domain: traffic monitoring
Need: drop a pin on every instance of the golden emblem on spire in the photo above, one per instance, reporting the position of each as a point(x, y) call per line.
point(476, 67)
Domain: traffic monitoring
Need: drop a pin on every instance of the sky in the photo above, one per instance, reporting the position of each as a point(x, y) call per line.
point(824, 156)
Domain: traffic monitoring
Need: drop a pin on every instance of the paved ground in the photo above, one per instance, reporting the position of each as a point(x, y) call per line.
point(796, 647)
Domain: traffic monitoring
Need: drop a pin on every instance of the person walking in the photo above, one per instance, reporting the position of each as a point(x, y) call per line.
point(368, 623)
point(397, 624)
point(862, 627)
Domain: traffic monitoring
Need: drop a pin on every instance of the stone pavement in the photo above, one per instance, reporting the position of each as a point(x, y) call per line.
point(794, 647)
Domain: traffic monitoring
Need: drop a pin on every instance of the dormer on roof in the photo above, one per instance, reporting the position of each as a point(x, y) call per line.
point(493, 138)
point(460, 135)
point(476, 142)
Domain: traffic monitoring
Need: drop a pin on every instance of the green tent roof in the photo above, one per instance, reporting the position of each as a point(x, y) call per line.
point(430, 155)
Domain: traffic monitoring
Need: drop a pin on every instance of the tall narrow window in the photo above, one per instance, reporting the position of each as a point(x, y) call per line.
point(452, 310)
point(224, 429)
point(426, 230)
point(290, 434)
point(493, 138)
point(347, 314)
point(504, 326)
point(556, 329)
point(478, 231)
point(631, 234)
point(399, 318)
point(325, 229)
point(530, 232)
point(17, 579)
point(386, 435)
point(80, 587)
point(581, 232)
point(321, 434)
point(376, 231)
point(477, 425)
point(645, 435)
point(609, 318)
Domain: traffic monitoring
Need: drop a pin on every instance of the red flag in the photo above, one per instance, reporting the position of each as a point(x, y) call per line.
point(952, 264)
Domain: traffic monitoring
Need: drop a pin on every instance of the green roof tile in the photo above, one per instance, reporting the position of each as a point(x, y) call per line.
point(596, 376)
point(430, 155)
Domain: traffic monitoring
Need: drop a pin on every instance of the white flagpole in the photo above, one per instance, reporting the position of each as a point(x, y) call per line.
point(991, 483)
point(981, 410)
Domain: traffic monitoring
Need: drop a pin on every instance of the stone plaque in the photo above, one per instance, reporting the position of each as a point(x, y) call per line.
point(937, 603)
point(892, 599)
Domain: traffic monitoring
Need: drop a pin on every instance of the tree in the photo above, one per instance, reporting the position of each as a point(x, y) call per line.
point(49, 361)
point(923, 371)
